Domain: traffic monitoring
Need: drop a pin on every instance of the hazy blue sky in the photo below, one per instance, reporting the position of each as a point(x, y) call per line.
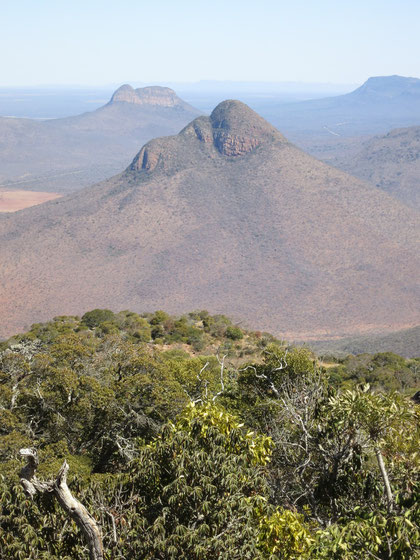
point(101, 41)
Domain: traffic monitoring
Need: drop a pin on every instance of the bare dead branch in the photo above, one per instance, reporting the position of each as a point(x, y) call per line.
point(61, 491)
point(114, 527)
point(222, 380)
point(384, 473)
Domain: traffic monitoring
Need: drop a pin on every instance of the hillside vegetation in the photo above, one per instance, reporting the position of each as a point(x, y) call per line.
point(191, 437)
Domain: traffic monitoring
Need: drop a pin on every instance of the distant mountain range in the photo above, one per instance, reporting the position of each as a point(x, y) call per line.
point(62, 101)
point(338, 130)
point(61, 155)
point(380, 104)
point(229, 216)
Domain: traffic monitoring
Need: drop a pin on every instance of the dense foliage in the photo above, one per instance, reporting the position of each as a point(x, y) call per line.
point(383, 371)
point(190, 437)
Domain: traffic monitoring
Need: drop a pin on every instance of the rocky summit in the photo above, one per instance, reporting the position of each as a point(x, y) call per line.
point(154, 95)
point(232, 129)
point(227, 216)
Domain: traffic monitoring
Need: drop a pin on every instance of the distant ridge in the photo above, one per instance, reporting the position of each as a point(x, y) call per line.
point(405, 343)
point(62, 155)
point(388, 87)
point(227, 216)
point(378, 105)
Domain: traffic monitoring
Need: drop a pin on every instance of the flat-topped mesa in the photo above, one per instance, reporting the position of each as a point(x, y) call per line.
point(233, 129)
point(153, 95)
point(388, 86)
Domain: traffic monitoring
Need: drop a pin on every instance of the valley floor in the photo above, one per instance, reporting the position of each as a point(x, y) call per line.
point(12, 201)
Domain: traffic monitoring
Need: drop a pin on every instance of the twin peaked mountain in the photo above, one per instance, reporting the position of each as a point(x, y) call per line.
point(228, 216)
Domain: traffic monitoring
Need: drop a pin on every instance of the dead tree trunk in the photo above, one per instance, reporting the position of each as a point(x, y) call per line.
point(382, 468)
point(61, 491)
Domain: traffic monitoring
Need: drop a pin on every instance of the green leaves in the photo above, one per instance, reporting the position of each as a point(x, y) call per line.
point(206, 486)
point(280, 466)
point(387, 537)
point(377, 415)
point(284, 534)
point(208, 420)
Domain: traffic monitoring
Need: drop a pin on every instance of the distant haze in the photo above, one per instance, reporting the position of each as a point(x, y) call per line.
point(102, 41)
point(62, 101)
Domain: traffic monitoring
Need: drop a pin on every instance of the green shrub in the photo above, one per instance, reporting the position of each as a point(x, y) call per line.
point(234, 333)
point(97, 316)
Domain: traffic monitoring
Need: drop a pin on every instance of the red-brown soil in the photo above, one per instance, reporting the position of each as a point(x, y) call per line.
point(11, 201)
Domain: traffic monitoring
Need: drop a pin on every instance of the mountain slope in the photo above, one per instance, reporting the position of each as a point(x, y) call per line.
point(380, 104)
point(65, 154)
point(391, 162)
point(228, 216)
point(405, 343)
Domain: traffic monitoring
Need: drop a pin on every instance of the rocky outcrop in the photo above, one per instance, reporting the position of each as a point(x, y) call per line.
point(232, 145)
point(124, 94)
point(147, 159)
point(199, 128)
point(237, 130)
point(154, 95)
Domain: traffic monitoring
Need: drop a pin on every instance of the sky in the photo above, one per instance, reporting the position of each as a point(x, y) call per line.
point(99, 42)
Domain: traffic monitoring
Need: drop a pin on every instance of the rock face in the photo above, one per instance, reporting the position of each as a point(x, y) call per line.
point(237, 130)
point(147, 158)
point(228, 216)
point(155, 95)
point(232, 129)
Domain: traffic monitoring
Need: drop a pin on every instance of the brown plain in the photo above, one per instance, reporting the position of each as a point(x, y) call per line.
point(11, 201)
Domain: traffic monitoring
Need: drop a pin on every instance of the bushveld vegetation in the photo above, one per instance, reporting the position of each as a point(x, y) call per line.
point(190, 437)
